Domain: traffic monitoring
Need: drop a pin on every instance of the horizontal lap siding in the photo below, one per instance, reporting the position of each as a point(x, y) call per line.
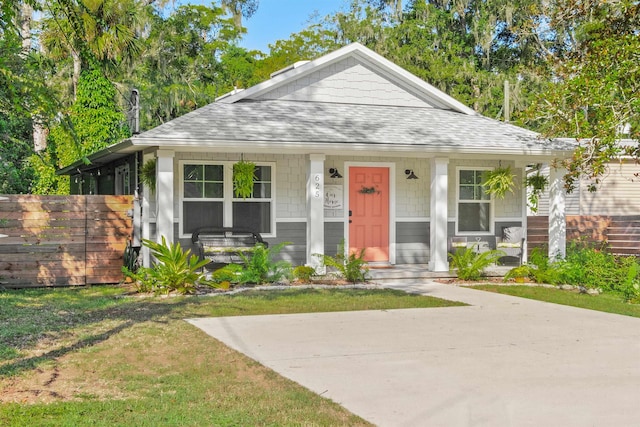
point(412, 242)
point(295, 234)
point(63, 240)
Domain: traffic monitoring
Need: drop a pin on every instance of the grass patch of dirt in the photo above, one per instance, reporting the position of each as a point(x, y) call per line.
point(96, 356)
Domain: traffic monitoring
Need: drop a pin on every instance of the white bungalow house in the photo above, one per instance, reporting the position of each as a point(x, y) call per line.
point(348, 146)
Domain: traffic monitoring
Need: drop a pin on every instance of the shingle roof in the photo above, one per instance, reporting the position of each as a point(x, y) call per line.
point(288, 122)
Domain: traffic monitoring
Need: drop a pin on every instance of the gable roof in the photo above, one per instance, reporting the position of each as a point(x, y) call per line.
point(304, 109)
point(365, 56)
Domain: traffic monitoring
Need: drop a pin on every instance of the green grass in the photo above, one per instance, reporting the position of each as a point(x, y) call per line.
point(92, 358)
point(606, 302)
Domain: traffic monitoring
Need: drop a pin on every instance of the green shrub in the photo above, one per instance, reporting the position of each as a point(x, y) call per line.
point(352, 267)
point(225, 277)
point(471, 265)
point(591, 266)
point(175, 269)
point(303, 273)
point(541, 270)
point(630, 285)
point(521, 271)
point(230, 273)
point(260, 266)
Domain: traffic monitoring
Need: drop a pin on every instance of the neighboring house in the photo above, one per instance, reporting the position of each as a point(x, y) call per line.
point(348, 146)
point(611, 213)
point(617, 194)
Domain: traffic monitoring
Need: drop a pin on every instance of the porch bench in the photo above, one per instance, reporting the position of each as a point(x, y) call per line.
point(224, 245)
point(512, 244)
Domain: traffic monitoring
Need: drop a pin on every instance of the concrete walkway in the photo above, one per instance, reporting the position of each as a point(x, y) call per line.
point(503, 361)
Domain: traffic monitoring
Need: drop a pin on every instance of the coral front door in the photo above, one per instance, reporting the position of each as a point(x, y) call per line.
point(369, 212)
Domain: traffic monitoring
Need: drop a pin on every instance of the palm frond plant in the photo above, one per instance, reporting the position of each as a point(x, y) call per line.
point(351, 266)
point(175, 269)
point(261, 267)
point(470, 265)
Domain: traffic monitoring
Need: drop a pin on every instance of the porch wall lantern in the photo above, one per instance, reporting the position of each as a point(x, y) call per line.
point(334, 173)
point(410, 174)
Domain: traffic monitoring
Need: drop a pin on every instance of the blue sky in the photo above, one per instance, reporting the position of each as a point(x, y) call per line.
point(277, 19)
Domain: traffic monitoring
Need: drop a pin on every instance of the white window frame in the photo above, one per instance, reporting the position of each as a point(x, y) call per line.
point(228, 199)
point(458, 201)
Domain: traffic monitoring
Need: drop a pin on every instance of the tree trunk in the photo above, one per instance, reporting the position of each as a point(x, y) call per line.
point(25, 19)
point(77, 69)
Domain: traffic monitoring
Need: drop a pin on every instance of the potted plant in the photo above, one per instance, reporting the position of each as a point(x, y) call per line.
point(498, 181)
point(244, 174)
point(518, 274)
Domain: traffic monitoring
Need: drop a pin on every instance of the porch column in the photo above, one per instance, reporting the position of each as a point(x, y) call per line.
point(146, 215)
point(557, 220)
point(315, 211)
point(438, 225)
point(164, 195)
point(522, 165)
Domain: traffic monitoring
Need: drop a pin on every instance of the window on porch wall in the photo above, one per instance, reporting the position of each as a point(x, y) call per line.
point(207, 189)
point(474, 204)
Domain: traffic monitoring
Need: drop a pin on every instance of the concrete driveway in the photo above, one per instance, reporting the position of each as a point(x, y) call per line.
point(503, 361)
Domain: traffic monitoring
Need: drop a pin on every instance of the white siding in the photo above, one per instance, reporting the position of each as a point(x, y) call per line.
point(412, 195)
point(618, 194)
point(346, 82)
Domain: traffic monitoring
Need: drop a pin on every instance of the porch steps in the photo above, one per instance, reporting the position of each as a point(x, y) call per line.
point(421, 272)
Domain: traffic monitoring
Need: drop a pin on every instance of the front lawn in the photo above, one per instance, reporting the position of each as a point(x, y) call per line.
point(92, 357)
point(607, 302)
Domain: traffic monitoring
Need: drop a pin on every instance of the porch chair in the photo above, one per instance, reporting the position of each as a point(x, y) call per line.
point(511, 243)
point(455, 243)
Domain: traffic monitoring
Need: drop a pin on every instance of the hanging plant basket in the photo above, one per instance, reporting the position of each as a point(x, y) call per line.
point(244, 174)
point(537, 184)
point(148, 175)
point(499, 181)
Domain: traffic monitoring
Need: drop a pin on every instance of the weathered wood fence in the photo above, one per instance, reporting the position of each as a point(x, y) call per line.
point(622, 233)
point(63, 240)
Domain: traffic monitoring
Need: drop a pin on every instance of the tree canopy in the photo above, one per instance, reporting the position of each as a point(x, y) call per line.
point(572, 68)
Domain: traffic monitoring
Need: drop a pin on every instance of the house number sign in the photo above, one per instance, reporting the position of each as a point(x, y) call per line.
point(316, 183)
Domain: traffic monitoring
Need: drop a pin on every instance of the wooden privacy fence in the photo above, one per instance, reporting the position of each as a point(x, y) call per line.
point(622, 233)
point(63, 240)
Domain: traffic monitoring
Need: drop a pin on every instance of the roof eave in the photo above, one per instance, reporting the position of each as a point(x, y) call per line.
point(80, 165)
point(315, 147)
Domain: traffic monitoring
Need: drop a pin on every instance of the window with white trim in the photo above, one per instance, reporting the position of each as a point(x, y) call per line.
point(208, 199)
point(474, 204)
